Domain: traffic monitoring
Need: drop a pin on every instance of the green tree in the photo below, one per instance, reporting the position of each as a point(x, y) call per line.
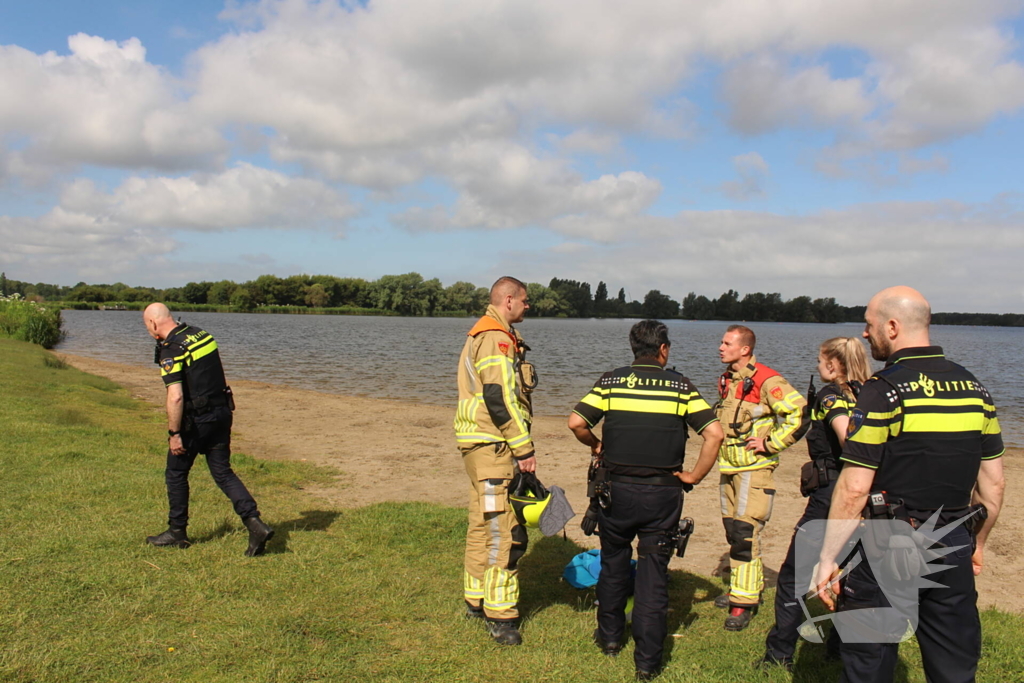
point(220, 292)
point(241, 299)
point(195, 292)
point(658, 305)
point(316, 296)
point(3, 284)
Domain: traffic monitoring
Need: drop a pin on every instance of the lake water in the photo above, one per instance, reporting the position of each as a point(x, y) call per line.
point(415, 358)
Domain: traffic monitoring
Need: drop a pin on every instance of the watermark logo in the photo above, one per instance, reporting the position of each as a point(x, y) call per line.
point(883, 566)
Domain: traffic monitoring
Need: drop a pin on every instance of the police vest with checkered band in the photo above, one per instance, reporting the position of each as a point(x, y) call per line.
point(930, 430)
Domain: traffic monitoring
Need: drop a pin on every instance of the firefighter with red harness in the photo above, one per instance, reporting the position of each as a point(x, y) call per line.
point(762, 415)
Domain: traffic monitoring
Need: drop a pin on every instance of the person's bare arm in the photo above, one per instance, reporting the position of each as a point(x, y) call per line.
point(839, 425)
point(988, 491)
point(175, 413)
point(584, 434)
point(713, 437)
point(848, 500)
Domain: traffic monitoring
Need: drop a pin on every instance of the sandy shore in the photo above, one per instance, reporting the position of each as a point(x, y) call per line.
point(400, 451)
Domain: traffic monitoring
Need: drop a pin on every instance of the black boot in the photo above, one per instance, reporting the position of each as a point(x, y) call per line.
point(172, 538)
point(504, 632)
point(259, 534)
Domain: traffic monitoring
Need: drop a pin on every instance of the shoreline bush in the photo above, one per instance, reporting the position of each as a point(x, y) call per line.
point(30, 322)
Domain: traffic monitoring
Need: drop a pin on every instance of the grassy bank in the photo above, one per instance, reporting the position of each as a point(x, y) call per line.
point(354, 594)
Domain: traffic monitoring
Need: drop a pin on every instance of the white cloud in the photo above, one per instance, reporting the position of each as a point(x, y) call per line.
point(753, 173)
point(102, 104)
point(953, 252)
point(138, 218)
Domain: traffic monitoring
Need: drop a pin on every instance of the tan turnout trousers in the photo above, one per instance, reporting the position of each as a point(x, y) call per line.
point(747, 499)
point(494, 540)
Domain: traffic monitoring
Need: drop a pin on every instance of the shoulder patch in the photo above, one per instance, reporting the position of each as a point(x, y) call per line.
point(828, 401)
point(166, 364)
point(777, 393)
point(503, 347)
point(856, 420)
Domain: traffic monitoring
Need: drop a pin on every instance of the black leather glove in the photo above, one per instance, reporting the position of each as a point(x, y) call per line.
point(589, 523)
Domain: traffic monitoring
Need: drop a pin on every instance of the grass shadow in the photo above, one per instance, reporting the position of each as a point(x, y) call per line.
point(308, 520)
point(540, 577)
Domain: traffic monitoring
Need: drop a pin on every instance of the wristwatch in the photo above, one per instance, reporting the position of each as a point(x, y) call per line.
point(173, 433)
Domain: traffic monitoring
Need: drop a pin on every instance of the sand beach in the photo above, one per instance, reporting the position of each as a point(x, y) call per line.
point(405, 451)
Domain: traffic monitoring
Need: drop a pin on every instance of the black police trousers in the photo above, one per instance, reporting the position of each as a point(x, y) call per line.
point(948, 628)
point(783, 636)
point(647, 512)
point(212, 439)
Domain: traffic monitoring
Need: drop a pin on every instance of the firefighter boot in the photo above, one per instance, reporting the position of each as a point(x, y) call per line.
point(504, 632)
point(259, 534)
point(172, 538)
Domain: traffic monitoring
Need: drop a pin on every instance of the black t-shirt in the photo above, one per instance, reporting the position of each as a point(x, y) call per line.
point(646, 410)
point(189, 356)
point(924, 424)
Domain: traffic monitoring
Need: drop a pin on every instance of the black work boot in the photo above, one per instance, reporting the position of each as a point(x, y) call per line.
point(474, 612)
point(172, 538)
point(769, 660)
point(259, 534)
point(740, 617)
point(644, 675)
point(504, 632)
point(722, 601)
point(608, 648)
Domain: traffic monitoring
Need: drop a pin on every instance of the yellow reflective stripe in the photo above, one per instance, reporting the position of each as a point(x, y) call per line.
point(871, 435)
point(489, 361)
point(892, 414)
point(991, 426)
point(203, 349)
point(477, 437)
point(472, 587)
point(857, 462)
point(943, 422)
point(511, 400)
point(640, 392)
point(973, 401)
point(174, 368)
point(594, 401)
point(635, 405)
point(697, 405)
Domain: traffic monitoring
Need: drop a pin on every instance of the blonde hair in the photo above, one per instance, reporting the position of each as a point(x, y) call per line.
point(853, 361)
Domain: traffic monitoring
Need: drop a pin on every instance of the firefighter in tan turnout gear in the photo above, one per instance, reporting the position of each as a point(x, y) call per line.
point(492, 427)
point(762, 415)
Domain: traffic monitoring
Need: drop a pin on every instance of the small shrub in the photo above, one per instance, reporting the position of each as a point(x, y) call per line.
point(28, 321)
point(56, 362)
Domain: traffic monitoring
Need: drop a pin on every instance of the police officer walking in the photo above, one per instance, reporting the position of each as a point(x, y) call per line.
point(492, 428)
point(923, 440)
point(199, 406)
point(762, 415)
point(646, 410)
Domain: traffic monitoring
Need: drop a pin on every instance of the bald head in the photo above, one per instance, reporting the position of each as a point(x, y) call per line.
point(897, 318)
point(158, 321)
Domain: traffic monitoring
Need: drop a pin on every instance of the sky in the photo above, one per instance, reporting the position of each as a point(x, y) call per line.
point(792, 146)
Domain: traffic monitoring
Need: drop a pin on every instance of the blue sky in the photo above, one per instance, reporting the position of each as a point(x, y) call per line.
point(792, 146)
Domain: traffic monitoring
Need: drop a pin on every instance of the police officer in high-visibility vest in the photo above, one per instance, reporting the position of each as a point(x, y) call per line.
point(762, 415)
point(199, 406)
point(843, 366)
point(923, 439)
point(492, 428)
point(646, 411)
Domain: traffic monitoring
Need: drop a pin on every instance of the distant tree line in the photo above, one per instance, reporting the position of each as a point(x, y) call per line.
point(410, 294)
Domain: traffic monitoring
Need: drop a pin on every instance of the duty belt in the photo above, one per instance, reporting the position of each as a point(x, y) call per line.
point(649, 481)
point(203, 404)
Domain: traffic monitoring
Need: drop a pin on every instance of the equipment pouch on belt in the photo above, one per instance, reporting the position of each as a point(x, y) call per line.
point(596, 475)
point(682, 535)
point(814, 475)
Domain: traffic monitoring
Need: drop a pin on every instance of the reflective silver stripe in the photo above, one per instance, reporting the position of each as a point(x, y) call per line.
point(490, 497)
point(743, 494)
point(492, 558)
point(723, 499)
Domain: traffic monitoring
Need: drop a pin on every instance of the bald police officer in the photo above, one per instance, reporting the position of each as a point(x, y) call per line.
point(199, 406)
point(924, 433)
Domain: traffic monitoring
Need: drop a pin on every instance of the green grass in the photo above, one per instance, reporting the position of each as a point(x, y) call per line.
point(355, 594)
point(29, 321)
